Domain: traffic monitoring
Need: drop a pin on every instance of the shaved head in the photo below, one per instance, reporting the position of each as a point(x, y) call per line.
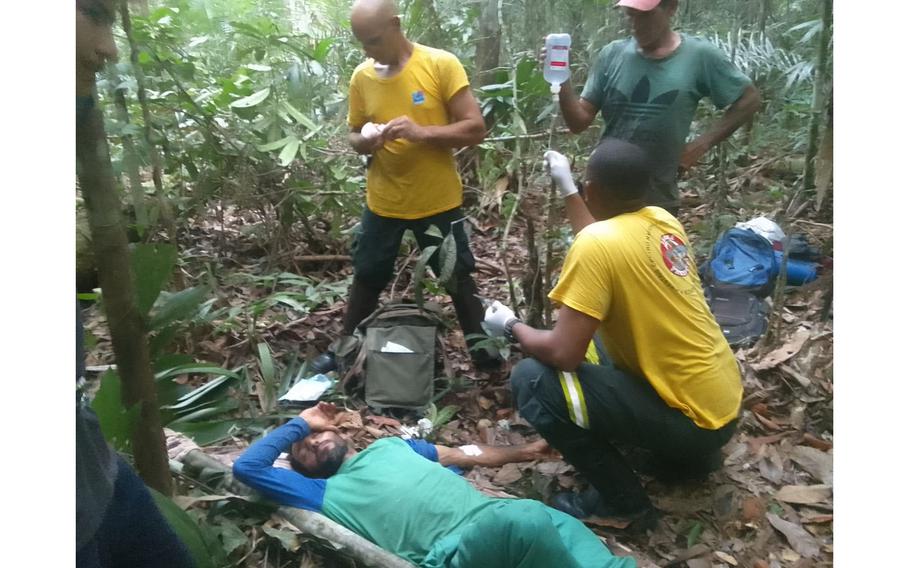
point(364, 12)
point(377, 27)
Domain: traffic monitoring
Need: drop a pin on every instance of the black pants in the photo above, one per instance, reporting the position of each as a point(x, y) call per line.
point(376, 249)
point(583, 413)
point(133, 532)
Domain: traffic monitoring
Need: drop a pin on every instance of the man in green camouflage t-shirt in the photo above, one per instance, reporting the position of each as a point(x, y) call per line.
point(647, 88)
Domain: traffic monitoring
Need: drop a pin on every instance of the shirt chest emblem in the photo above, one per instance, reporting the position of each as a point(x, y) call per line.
point(675, 254)
point(417, 97)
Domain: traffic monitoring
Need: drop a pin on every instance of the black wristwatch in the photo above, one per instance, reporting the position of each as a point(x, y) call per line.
point(507, 330)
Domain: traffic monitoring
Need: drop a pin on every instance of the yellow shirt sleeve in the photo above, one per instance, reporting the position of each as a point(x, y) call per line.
point(452, 76)
point(356, 111)
point(585, 283)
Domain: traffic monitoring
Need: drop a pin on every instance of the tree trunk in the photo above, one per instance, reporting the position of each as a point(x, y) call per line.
point(489, 38)
point(819, 95)
point(763, 17)
point(824, 161)
point(128, 334)
point(131, 164)
point(166, 212)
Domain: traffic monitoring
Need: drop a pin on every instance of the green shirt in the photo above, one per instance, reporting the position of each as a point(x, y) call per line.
point(651, 102)
point(411, 504)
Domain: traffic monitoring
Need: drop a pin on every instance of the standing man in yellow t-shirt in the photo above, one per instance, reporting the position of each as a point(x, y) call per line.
point(668, 381)
point(409, 106)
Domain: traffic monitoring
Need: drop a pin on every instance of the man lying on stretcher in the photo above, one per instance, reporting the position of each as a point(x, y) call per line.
point(400, 495)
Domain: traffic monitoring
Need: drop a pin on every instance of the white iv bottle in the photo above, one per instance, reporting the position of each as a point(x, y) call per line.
point(556, 64)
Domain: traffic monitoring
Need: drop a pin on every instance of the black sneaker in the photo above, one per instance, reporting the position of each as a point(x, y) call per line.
point(588, 506)
point(324, 363)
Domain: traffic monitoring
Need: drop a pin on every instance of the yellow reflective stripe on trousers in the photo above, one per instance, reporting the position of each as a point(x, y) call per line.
point(591, 355)
point(575, 398)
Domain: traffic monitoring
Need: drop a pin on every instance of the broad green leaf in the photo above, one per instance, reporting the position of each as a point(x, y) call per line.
point(231, 536)
point(252, 100)
point(287, 154)
point(177, 306)
point(208, 390)
point(194, 368)
point(447, 257)
point(275, 145)
point(197, 41)
point(498, 87)
point(322, 49)
point(443, 416)
point(207, 411)
point(694, 534)
point(206, 433)
point(152, 265)
point(204, 548)
point(420, 271)
point(267, 365)
point(288, 539)
point(300, 117)
point(433, 231)
point(116, 423)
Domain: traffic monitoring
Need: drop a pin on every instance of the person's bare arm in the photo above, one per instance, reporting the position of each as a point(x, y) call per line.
point(362, 144)
point(492, 456)
point(466, 129)
point(562, 347)
point(577, 213)
point(576, 111)
point(735, 116)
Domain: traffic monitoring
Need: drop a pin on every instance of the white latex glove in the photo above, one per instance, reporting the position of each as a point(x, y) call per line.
point(561, 173)
point(496, 318)
point(370, 130)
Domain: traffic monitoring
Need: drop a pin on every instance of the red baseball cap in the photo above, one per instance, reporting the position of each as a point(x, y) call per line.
point(643, 5)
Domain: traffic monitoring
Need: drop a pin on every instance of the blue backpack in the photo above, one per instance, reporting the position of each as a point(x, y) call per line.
point(743, 258)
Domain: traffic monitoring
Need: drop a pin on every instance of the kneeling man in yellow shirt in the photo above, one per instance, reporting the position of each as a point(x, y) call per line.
point(663, 378)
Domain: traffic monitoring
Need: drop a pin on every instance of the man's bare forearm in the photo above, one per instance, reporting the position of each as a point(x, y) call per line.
point(360, 143)
point(575, 111)
point(488, 456)
point(577, 213)
point(456, 135)
point(543, 345)
point(735, 116)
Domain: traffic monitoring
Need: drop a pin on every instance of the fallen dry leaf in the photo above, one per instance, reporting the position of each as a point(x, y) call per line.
point(726, 558)
point(798, 537)
point(817, 443)
point(698, 563)
point(609, 523)
point(384, 421)
point(804, 494)
point(753, 509)
point(816, 462)
point(755, 444)
point(699, 549)
point(783, 353)
point(507, 474)
point(768, 423)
